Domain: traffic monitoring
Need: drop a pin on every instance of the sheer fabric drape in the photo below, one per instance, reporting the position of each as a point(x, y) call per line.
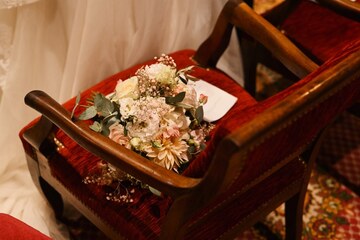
point(65, 46)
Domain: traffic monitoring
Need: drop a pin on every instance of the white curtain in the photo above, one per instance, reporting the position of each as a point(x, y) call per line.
point(65, 46)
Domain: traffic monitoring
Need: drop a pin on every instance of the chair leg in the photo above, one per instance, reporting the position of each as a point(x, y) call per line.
point(53, 197)
point(294, 206)
point(37, 138)
point(293, 216)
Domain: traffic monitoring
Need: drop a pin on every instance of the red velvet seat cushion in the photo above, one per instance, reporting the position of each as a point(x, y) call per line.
point(14, 229)
point(320, 31)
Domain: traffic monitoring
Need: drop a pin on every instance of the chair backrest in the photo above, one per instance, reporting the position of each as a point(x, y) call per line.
point(319, 28)
point(238, 13)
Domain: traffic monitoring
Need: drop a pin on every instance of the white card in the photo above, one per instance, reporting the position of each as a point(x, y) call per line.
point(219, 102)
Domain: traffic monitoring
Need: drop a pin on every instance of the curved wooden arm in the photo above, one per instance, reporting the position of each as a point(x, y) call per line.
point(238, 13)
point(214, 46)
point(156, 176)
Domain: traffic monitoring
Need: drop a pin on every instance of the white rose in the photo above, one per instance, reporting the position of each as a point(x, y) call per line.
point(127, 89)
point(144, 129)
point(127, 107)
point(190, 100)
point(178, 119)
point(162, 73)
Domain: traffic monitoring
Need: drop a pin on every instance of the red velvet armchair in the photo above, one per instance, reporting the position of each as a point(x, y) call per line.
point(260, 154)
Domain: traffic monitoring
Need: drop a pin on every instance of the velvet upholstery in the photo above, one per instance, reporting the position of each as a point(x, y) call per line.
point(14, 229)
point(320, 31)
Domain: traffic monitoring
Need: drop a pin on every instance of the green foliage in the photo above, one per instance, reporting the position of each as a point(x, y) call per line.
point(89, 113)
point(155, 191)
point(102, 111)
point(176, 99)
point(199, 114)
point(96, 126)
point(103, 105)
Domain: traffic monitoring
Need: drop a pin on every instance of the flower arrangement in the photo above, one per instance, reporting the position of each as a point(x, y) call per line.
point(155, 113)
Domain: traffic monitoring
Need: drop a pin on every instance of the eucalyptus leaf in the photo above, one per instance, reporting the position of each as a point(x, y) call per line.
point(89, 113)
point(155, 191)
point(176, 99)
point(199, 114)
point(183, 105)
point(98, 98)
point(105, 129)
point(103, 105)
point(96, 126)
point(202, 146)
point(192, 149)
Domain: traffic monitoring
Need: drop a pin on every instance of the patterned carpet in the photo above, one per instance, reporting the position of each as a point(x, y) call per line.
point(332, 208)
point(332, 211)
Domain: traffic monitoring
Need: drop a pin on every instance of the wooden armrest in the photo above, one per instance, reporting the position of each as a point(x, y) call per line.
point(156, 176)
point(238, 13)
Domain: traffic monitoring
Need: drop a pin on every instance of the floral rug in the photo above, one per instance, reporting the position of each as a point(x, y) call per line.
point(332, 211)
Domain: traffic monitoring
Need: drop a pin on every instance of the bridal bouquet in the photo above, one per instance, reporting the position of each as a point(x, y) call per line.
point(155, 113)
